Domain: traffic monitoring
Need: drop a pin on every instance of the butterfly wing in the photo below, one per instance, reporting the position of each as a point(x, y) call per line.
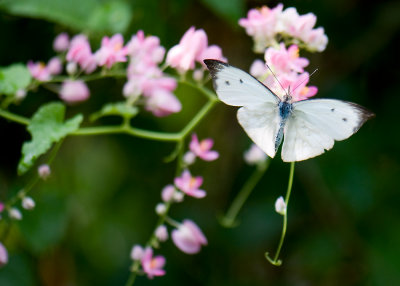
point(238, 88)
point(259, 115)
point(315, 124)
point(261, 123)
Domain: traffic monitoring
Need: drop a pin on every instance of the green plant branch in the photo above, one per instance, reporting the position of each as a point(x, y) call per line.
point(276, 261)
point(229, 219)
point(14, 117)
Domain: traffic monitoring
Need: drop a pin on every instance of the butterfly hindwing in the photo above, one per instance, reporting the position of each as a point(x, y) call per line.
point(236, 87)
point(315, 124)
point(261, 123)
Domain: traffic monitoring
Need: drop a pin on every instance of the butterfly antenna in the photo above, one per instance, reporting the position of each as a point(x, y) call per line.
point(305, 80)
point(287, 94)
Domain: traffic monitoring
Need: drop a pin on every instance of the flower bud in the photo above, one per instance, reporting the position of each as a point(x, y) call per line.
point(14, 213)
point(137, 252)
point(280, 206)
point(28, 203)
point(44, 171)
point(161, 233)
point(3, 255)
point(161, 209)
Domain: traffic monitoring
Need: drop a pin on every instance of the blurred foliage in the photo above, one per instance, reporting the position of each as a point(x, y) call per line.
point(344, 215)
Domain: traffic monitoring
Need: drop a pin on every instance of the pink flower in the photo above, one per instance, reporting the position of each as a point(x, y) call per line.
point(188, 237)
point(285, 60)
point(112, 50)
point(261, 25)
point(61, 42)
point(39, 71)
point(162, 103)
point(254, 155)
point(54, 66)
point(152, 266)
point(74, 91)
point(145, 49)
point(202, 149)
point(316, 40)
point(298, 89)
point(190, 185)
point(191, 46)
point(1, 206)
point(81, 53)
point(3, 255)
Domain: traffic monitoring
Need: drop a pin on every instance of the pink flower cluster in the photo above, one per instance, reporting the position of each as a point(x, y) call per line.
point(201, 149)
point(43, 72)
point(288, 67)
point(146, 78)
point(192, 48)
point(266, 25)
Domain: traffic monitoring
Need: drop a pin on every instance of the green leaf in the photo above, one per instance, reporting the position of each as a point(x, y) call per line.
point(14, 78)
point(46, 127)
point(113, 17)
point(230, 10)
point(118, 108)
point(89, 15)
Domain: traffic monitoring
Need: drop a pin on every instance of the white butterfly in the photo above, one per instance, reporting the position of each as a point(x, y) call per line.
point(310, 126)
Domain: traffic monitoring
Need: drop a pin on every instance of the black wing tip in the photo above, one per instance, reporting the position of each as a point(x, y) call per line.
point(214, 65)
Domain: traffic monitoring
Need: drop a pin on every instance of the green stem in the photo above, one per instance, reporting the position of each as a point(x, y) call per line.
point(276, 261)
point(14, 117)
point(229, 219)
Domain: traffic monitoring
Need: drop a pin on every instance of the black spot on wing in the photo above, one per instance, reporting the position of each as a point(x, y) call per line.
point(333, 109)
point(344, 119)
point(227, 82)
point(241, 81)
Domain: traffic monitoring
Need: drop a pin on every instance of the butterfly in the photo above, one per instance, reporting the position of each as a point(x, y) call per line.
point(309, 127)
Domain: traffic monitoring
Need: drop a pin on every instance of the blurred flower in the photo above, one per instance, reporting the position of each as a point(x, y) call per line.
point(112, 50)
point(188, 237)
point(190, 185)
point(1, 206)
point(20, 94)
point(178, 196)
point(280, 206)
point(28, 203)
point(162, 103)
point(39, 71)
point(44, 171)
point(297, 83)
point(192, 47)
point(161, 209)
point(167, 193)
point(268, 26)
point(285, 60)
point(14, 213)
point(3, 255)
point(254, 155)
point(71, 68)
point(189, 158)
point(261, 25)
point(61, 42)
point(80, 52)
point(146, 50)
point(203, 149)
point(73, 91)
point(54, 66)
point(152, 266)
point(137, 252)
point(161, 233)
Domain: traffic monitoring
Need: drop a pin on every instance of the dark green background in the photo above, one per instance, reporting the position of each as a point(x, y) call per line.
point(344, 216)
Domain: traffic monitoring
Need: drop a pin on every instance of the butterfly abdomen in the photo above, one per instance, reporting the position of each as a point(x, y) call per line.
point(285, 110)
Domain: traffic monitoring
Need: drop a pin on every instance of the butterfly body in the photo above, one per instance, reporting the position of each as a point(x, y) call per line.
point(307, 127)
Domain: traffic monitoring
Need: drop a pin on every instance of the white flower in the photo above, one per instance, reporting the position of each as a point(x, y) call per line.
point(161, 233)
point(161, 209)
point(137, 252)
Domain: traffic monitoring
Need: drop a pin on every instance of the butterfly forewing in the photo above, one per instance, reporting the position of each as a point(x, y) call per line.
point(315, 124)
point(238, 88)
